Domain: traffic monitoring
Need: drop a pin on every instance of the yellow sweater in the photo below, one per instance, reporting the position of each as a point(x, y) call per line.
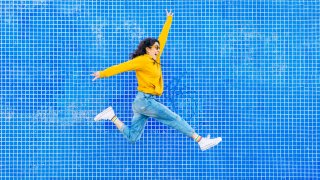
point(148, 73)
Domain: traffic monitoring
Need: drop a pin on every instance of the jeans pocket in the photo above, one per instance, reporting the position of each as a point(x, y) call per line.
point(140, 105)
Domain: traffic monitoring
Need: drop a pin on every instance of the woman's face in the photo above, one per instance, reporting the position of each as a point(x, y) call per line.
point(154, 50)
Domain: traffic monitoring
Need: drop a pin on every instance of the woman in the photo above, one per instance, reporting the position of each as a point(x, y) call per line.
point(145, 61)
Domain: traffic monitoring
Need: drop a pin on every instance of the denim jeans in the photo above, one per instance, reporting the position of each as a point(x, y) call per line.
point(145, 106)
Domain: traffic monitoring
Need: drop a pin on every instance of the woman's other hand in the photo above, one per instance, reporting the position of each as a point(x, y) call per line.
point(169, 13)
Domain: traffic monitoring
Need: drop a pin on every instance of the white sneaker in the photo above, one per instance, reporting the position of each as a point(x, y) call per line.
point(207, 143)
point(106, 114)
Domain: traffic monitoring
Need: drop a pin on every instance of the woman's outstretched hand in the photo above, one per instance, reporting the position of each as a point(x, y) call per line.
point(169, 13)
point(96, 75)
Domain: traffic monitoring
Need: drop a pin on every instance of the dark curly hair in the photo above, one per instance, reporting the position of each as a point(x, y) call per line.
point(141, 50)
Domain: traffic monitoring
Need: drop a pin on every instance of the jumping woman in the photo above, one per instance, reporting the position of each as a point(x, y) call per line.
point(145, 61)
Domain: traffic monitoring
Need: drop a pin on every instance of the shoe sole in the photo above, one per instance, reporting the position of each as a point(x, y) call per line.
point(212, 145)
point(100, 115)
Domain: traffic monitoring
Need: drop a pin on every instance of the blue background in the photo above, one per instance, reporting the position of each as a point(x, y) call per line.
point(247, 71)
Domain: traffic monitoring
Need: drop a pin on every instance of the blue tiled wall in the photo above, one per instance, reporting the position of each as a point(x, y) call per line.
point(247, 71)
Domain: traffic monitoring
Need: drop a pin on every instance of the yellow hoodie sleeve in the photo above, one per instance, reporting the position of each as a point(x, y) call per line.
point(130, 65)
point(164, 34)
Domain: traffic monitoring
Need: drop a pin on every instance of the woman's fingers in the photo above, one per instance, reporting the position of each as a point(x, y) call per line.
point(169, 13)
point(96, 76)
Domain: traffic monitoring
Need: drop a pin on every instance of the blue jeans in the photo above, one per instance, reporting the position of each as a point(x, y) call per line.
point(145, 106)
